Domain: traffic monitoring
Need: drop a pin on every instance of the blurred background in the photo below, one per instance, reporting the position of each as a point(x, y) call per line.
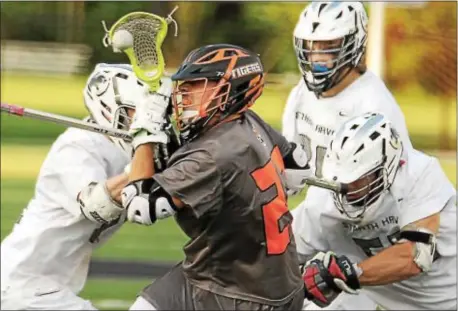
point(48, 48)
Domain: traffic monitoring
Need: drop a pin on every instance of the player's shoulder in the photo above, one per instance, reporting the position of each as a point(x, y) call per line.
point(202, 149)
point(221, 146)
point(74, 136)
point(86, 142)
point(419, 173)
point(372, 82)
point(253, 116)
point(298, 91)
point(374, 91)
point(299, 87)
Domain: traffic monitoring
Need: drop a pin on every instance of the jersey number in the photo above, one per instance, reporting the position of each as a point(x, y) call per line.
point(275, 213)
point(319, 154)
point(372, 246)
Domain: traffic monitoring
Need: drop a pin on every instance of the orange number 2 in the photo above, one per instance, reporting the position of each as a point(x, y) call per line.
point(277, 238)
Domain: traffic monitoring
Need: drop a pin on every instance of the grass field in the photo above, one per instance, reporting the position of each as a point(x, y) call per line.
point(112, 294)
point(24, 144)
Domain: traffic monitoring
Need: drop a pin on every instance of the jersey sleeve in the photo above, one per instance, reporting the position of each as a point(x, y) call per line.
point(75, 168)
point(429, 194)
point(307, 230)
point(195, 180)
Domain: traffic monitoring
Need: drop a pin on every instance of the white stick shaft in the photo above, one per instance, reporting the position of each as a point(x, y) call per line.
point(63, 120)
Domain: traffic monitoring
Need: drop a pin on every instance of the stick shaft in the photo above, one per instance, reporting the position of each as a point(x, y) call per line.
point(334, 186)
point(63, 120)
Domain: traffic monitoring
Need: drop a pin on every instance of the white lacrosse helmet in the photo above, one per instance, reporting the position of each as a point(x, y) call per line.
point(330, 21)
point(364, 154)
point(110, 91)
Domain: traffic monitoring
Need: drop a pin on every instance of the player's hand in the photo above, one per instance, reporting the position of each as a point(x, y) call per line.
point(150, 116)
point(326, 276)
point(295, 180)
point(135, 198)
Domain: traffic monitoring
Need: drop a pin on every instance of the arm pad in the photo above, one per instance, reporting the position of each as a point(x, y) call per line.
point(97, 205)
point(424, 246)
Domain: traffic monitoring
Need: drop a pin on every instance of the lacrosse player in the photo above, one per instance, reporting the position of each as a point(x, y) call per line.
point(391, 233)
point(224, 187)
point(330, 43)
point(45, 259)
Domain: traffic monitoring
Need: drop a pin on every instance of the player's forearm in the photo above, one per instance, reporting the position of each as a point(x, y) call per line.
point(143, 163)
point(393, 264)
point(115, 186)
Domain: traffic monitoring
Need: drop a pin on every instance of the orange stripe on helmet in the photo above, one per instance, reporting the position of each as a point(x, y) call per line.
point(257, 85)
point(216, 56)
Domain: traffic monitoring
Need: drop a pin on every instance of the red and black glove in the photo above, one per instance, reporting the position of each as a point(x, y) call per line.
point(326, 276)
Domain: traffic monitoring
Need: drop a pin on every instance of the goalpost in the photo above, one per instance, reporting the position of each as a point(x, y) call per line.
point(375, 48)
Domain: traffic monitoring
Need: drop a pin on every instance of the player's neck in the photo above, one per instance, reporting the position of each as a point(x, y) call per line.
point(349, 78)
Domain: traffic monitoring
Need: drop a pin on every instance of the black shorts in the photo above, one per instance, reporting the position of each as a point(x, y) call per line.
point(174, 292)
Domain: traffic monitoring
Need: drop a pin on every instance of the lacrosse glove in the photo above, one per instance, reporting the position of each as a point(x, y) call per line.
point(149, 121)
point(326, 276)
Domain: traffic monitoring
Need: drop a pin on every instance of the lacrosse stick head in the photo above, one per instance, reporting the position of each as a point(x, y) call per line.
point(140, 35)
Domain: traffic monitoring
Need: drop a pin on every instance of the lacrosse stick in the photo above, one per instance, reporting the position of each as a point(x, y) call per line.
point(326, 184)
point(63, 120)
point(140, 36)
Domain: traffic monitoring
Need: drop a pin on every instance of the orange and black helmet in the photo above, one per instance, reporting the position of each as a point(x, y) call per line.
point(239, 77)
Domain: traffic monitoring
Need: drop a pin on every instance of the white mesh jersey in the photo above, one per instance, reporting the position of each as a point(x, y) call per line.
point(49, 247)
point(311, 122)
point(420, 189)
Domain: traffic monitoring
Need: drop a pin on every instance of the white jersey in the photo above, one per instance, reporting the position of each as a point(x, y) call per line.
point(420, 189)
point(50, 247)
point(310, 121)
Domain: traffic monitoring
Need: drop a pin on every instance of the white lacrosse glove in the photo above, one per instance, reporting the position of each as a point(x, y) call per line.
point(149, 119)
point(295, 180)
